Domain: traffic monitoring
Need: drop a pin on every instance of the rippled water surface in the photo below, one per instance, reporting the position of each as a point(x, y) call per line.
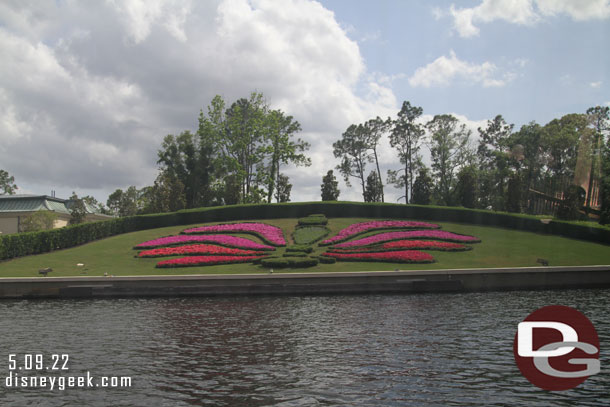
point(365, 350)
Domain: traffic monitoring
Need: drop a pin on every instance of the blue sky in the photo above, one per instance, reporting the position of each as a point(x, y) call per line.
point(89, 90)
point(559, 65)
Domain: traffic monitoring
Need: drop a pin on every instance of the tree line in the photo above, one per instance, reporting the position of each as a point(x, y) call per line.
point(237, 153)
point(498, 172)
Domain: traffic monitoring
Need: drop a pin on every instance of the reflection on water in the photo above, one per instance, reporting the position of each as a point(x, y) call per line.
point(374, 350)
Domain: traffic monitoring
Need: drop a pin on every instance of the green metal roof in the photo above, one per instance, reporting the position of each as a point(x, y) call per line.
point(33, 203)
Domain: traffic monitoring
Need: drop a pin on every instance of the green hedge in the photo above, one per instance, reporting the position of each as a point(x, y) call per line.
point(309, 234)
point(317, 219)
point(293, 262)
point(24, 244)
point(299, 248)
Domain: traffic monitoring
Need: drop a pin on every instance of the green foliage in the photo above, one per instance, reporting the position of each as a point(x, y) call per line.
point(295, 254)
point(406, 138)
point(569, 209)
point(352, 149)
point(514, 191)
point(166, 195)
point(449, 152)
point(282, 193)
point(37, 221)
point(327, 260)
point(467, 187)
point(317, 219)
point(291, 262)
point(78, 210)
point(422, 187)
point(309, 234)
point(129, 202)
point(299, 248)
point(7, 183)
point(330, 187)
point(604, 217)
point(373, 191)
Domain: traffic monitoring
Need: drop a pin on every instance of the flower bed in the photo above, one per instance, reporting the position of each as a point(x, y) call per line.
point(309, 234)
point(193, 261)
point(403, 256)
point(197, 249)
point(406, 245)
point(223, 240)
point(363, 227)
point(412, 234)
point(270, 234)
point(292, 262)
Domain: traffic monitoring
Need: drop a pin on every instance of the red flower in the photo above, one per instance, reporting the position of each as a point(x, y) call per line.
point(205, 261)
point(403, 256)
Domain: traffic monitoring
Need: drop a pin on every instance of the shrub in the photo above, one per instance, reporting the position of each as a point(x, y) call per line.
point(310, 220)
point(403, 256)
point(327, 260)
point(299, 248)
point(295, 254)
point(309, 234)
point(292, 262)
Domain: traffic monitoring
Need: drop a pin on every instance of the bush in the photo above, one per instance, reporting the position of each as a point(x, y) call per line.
point(309, 234)
point(327, 260)
point(292, 262)
point(299, 248)
point(295, 254)
point(318, 219)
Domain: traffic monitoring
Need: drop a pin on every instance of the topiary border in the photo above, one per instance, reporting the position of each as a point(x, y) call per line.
point(292, 262)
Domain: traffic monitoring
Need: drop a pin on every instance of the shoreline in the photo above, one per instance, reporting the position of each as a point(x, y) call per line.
point(365, 282)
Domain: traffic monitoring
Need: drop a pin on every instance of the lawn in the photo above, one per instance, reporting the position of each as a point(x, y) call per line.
point(498, 248)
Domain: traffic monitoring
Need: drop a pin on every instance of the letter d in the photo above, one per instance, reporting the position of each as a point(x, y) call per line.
point(9, 380)
point(525, 338)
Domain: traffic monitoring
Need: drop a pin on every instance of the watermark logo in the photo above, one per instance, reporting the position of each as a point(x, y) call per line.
point(556, 348)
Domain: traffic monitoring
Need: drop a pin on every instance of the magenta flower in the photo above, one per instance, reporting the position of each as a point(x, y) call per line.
point(197, 250)
point(223, 240)
point(270, 234)
point(359, 228)
point(412, 234)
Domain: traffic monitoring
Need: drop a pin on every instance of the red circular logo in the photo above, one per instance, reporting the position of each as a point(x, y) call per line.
point(556, 348)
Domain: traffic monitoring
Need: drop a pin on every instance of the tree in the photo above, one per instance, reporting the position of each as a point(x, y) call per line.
point(493, 155)
point(599, 118)
point(282, 192)
point(372, 192)
point(449, 151)
point(353, 151)
point(7, 183)
point(373, 130)
point(78, 211)
point(166, 195)
point(422, 187)
point(406, 137)
point(284, 150)
point(514, 200)
point(526, 159)
point(467, 187)
point(604, 217)
point(124, 203)
point(330, 187)
point(39, 220)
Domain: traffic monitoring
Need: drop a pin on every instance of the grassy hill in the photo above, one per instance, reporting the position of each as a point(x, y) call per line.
point(499, 247)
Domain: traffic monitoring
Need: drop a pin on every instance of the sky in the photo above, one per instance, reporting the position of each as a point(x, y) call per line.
point(88, 89)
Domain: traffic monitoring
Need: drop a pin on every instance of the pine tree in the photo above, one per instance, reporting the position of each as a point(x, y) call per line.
point(330, 187)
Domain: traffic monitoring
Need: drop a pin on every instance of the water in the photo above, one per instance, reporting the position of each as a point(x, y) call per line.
point(365, 350)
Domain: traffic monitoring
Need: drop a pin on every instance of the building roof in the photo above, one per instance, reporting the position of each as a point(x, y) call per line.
point(34, 203)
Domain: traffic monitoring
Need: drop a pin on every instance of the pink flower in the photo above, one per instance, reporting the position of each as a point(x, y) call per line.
point(389, 236)
point(271, 234)
point(224, 240)
point(197, 249)
point(403, 256)
point(358, 228)
point(405, 245)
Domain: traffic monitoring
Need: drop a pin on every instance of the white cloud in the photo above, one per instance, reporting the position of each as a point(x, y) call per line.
point(524, 12)
point(596, 85)
point(87, 92)
point(443, 70)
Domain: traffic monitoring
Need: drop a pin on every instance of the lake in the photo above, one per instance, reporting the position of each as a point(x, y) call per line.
point(352, 350)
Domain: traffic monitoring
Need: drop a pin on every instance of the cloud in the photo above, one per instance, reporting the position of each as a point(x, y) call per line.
point(443, 70)
point(595, 85)
point(87, 92)
point(524, 12)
